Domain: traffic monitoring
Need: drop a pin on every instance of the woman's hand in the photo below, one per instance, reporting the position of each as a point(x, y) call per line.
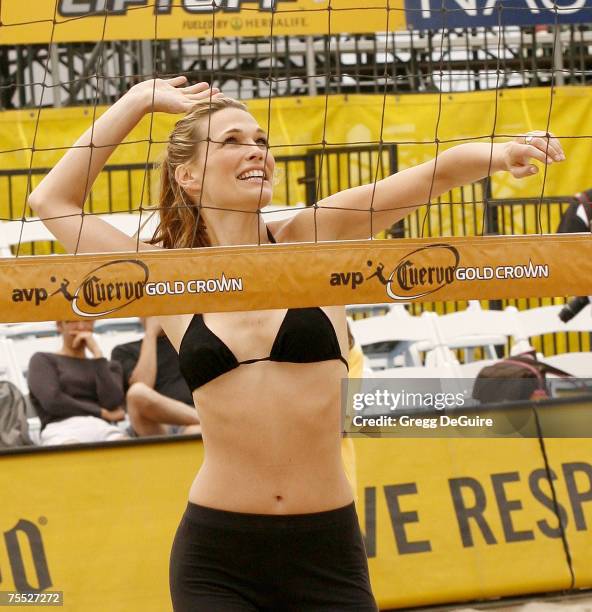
point(87, 339)
point(170, 95)
point(517, 155)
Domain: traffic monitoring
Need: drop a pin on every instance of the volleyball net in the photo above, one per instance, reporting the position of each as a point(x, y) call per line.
point(457, 264)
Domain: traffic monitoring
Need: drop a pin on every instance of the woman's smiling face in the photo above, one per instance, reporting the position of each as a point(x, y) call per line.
point(238, 164)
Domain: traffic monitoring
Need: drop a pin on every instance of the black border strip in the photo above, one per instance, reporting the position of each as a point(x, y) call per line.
point(90, 446)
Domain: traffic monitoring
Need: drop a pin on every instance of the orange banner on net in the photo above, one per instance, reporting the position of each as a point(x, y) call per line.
point(43, 21)
point(281, 276)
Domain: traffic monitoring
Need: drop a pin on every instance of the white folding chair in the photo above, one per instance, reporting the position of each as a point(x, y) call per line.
point(22, 330)
point(9, 369)
point(408, 334)
point(15, 232)
point(475, 328)
point(578, 364)
point(370, 309)
point(34, 427)
point(545, 320)
point(445, 370)
point(33, 229)
point(582, 322)
point(132, 223)
point(274, 212)
point(123, 324)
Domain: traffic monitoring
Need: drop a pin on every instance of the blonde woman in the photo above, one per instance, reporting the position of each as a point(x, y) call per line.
point(270, 523)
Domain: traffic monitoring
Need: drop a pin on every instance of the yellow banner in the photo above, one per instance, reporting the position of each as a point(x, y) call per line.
point(445, 520)
point(45, 21)
point(220, 279)
point(459, 520)
point(355, 119)
point(410, 121)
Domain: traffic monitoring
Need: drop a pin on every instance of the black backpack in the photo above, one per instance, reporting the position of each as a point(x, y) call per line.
point(14, 429)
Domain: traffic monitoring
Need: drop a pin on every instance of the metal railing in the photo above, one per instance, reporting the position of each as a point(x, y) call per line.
point(306, 178)
point(301, 179)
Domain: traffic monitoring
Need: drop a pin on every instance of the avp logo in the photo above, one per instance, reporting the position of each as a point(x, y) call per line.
point(347, 278)
point(40, 294)
point(417, 274)
point(103, 291)
point(78, 8)
point(22, 542)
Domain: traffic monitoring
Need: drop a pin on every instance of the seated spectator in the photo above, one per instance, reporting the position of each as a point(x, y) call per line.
point(577, 218)
point(78, 398)
point(158, 399)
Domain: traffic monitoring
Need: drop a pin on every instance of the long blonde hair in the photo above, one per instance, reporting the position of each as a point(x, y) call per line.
point(181, 224)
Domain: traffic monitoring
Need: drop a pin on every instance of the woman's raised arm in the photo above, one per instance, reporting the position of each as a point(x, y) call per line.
point(346, 215)
point(60, 196)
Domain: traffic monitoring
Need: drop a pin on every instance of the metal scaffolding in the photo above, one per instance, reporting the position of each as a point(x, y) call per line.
point(410, 61)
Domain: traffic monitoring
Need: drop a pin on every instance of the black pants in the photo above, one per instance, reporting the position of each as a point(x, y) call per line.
point(235, 562)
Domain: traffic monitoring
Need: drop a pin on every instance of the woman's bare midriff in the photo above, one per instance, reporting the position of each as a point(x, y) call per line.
point(272, 445)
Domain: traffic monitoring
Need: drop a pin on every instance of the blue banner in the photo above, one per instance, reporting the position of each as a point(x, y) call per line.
point(438, 14)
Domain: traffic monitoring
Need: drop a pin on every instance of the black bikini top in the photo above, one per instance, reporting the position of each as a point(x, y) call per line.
point(306, 335)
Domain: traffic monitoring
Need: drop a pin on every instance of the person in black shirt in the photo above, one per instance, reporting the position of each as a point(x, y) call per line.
point(576, 219)
point(78, 398)
point(158, 399)
point(578, 216)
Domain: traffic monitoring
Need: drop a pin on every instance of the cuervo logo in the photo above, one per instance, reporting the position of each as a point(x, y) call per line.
point(419, 273)
point(110, 287)
point(422, 272)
